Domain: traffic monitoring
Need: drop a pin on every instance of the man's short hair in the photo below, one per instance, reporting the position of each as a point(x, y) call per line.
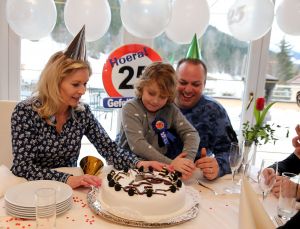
point(192, 61)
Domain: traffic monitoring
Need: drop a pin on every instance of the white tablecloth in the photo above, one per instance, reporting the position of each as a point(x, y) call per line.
point(215, 211)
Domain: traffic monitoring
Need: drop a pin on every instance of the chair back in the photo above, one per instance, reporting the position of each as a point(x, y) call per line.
point(6, 109)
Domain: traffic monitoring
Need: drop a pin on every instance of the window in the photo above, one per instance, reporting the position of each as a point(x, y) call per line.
point(226, 58)
point(32, 62)
point(282, 84)
point(217, 47)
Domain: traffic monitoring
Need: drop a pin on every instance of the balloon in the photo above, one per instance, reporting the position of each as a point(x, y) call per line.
point(94, 14)
point(288, 16)
point(31, 19)
point(145, 19)
point(250, 19)
point(188, 17)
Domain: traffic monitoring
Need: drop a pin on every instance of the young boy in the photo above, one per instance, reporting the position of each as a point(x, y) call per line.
point(149, 120)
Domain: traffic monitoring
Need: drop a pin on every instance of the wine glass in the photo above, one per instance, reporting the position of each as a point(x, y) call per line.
point(235, 160)
point(267, 178)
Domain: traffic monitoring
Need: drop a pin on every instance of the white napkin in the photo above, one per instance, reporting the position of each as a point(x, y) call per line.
point(8, 179)
point(252, 213)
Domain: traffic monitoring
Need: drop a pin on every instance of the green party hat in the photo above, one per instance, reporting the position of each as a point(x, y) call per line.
point(193, 51)
point(172, 59)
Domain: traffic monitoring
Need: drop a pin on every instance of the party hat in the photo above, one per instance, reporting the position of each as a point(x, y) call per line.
point(172, 59)
point(193, 51)
point(76, 49)
point(91, 165)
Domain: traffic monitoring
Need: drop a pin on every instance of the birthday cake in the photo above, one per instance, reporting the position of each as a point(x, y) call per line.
point(136, 193)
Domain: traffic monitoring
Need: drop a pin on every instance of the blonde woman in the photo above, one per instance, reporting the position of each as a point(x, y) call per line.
point(48, 127)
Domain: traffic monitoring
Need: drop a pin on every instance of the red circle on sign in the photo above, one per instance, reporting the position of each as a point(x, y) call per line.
point(118, 53)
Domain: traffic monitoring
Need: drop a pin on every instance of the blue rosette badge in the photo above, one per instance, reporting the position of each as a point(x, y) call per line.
point(160, 127)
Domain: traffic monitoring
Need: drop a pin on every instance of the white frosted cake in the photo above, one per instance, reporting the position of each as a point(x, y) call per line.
point(144, 194)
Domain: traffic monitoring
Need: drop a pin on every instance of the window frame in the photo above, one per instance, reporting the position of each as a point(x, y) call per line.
point(10, 59)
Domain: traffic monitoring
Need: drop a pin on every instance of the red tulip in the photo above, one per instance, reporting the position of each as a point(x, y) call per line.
point(260, 103)
point(260, 132)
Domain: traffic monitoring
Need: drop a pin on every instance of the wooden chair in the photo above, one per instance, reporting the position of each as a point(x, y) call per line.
point(6, 109)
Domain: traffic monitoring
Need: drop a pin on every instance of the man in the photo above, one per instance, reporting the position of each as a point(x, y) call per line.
point(208, 117)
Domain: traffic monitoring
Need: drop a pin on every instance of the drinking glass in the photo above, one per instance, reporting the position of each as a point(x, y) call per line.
point(45, 205)
point(235, 160)
point(249, 149)
point(267, 180)
point(287, 196)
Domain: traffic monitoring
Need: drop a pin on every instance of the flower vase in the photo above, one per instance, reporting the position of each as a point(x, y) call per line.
point(249, 151)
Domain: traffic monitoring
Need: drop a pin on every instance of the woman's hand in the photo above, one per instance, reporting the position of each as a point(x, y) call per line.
point(155, 165)
point(276, 188)
point(83, 181)
point(297, 128)
point(268, 174)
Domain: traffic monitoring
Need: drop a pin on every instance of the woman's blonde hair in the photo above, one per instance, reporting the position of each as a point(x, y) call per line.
point(47, 92)
point(161, 73)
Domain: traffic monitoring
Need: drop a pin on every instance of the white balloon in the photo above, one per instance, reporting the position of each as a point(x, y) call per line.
point(288, 16)
point(94, 14)
point(146, 18)
point(31, 19)
point(250, 19)
point(188, 17)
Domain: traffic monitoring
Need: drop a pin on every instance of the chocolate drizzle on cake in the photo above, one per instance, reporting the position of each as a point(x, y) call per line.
point(146, 180)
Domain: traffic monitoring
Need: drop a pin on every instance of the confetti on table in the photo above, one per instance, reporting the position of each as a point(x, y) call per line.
point(20, 223)
point(89, 219)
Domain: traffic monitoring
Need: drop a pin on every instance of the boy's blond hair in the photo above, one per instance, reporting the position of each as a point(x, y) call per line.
point(161, 73)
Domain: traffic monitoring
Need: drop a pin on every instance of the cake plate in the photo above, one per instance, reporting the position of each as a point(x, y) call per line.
point(191, 212)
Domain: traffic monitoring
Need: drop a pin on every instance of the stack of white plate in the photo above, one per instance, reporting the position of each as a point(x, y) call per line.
point(20, 200)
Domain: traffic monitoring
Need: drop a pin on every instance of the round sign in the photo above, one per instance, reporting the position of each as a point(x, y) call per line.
point(124, 66)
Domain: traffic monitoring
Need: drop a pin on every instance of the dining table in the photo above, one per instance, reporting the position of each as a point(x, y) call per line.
point(217, 209)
